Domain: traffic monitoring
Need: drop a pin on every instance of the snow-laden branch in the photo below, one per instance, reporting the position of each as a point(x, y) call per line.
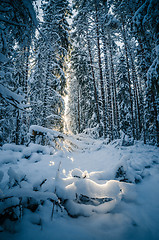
point(40, 129)
point(11, 97)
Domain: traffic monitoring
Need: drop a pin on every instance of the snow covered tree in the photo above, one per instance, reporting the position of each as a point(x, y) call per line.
point(18, 22)
point(87, 31)
point(146, 31)
point(123, 97)
point(81, 73)
point(48, 72)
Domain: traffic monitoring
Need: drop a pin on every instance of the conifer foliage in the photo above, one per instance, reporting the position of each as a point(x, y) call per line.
point(48, 73)
point(120, 42)
point(32, 58)
point(110, 54)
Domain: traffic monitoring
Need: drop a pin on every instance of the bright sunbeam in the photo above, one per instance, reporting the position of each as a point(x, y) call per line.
point(66, 118)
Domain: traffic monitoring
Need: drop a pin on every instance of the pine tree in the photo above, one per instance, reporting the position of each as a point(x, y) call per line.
point(83, 95)
point(146, 32)
point(123, 97)
point(18, 22)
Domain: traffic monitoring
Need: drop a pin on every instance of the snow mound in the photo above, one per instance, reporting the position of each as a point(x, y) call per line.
point(83, 196)
point(36, 148)
point(9, 156)
point(13, 147)
point(74, 209)
point(110, 189)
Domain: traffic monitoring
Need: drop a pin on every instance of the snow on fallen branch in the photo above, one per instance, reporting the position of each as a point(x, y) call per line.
point(39, 130)
point(11, 97)
point(45, 136)
point(82, 196)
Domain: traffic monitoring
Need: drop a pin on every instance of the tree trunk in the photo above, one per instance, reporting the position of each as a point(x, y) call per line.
point(44, 122)
point(114, 93)
point(17, 127)
point(108, 87)
point(94, 81)
point(136, 97)
point(129, 79)
point(78, 109)
point(101, 74)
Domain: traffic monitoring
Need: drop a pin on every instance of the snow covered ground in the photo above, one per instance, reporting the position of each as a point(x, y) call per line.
point(89, 169)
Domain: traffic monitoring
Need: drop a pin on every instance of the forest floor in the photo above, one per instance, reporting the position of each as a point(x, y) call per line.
point(134, 216)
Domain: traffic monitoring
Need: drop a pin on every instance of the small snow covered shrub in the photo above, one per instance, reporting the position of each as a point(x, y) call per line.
point(121, 173)
point(15, 179)
point(126, 140)
point(33, 152)
point(92, 132)
point(20, 194)
point(10, 208)
point(10, 204)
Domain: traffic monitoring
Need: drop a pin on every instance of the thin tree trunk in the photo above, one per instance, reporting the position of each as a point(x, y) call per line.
point(114, 93)
point(129, 79)
point(107, 75)
point(27, 51)
point(94, 81)
point(141, 93)
point(44, 121)
point(25, 87)
point(136, 89)
point(155, 118)
point(136, 95)
point(101, 74)
point(17, 127)
point(78, 109)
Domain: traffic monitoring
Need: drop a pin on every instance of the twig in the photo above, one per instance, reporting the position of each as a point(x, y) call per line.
point(52, 213)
